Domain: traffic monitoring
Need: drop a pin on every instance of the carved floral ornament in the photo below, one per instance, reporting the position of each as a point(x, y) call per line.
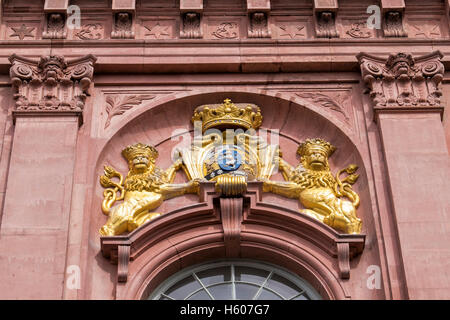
point(51, 84)
point(402, 82)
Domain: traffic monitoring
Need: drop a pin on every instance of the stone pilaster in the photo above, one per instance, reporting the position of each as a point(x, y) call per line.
point(50, 95)
point(50, 86)
point(403, 83)
point(406, 101)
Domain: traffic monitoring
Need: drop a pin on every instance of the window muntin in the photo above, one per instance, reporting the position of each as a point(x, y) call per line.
point(235, 280)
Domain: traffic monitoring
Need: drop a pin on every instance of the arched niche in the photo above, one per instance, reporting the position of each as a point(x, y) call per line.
point(295, 120)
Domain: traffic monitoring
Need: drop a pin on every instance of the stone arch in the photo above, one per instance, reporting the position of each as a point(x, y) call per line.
point(143, 125)
point(199, 233)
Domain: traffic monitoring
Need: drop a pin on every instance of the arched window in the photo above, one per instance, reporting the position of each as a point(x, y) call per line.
point(235, 280)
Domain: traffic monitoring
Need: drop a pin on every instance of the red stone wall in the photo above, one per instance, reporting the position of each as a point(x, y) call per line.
point(306, 87)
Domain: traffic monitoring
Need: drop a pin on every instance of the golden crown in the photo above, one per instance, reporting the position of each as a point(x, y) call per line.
point(140, 149)
point(316, 144)
point(228, 115)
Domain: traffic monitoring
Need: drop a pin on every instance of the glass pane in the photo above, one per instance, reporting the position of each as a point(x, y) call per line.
point(302, 297)
point(267, 295)
point(245, 291)
point(221, 292)
point(183, 288)
point(201, 295)
point(248, 278)
point(215, 275)
point(249, 274)
point(283, 286)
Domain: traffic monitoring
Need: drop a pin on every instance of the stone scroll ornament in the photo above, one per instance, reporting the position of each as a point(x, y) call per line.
point(51, 84)
point(403, 83)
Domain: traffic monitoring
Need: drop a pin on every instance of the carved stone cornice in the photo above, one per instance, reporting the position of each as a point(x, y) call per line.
point(403, 83)
point(51, 86)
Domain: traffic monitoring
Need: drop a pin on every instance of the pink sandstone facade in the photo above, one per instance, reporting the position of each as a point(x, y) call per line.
point(134, 71)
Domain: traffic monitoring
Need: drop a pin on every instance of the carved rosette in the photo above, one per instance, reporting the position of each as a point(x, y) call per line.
point(191, 26)
point(123, 23)
point(403, 83)
point(258, 26)
point(51, 85)
point(326, 25)
point(55, 28)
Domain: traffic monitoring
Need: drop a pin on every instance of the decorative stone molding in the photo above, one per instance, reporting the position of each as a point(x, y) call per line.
point(325, 18)
point(403, 83)
point(325, 101)
point(55, 26)
point(117, 105)
point(191, 25)
point(123, 25)
point(358, 30)
point(231, 211)
point(56, 5)
point(258, 5)
point(258, 26)
point(393, 24)
point(191, 5)
point(51, 86)
point(121, 5)
point(393, 13)
point(123, 260)
point(326, 25)
point(191, 19)
point(91, 31)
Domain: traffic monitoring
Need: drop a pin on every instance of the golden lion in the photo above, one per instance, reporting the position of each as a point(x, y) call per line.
point(146, 187)
point(317, 189)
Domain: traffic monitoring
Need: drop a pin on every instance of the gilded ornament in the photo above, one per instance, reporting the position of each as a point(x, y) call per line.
point(322, 194)
point(232, 160)
point(143, 190)
point(228, 115)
